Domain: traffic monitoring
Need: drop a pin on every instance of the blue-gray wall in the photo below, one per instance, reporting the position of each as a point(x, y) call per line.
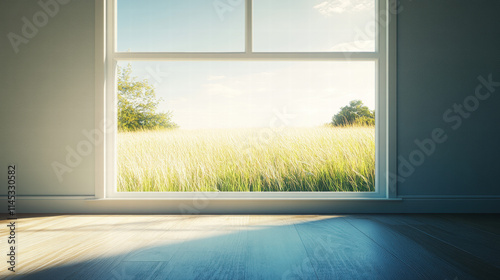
point(443, 46)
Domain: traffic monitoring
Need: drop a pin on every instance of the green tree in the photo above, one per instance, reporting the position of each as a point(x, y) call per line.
point(354, 114)
point(137, 104)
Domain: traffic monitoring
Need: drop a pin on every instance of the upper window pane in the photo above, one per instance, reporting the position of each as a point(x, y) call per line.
point(314, 25)
point(180, 26)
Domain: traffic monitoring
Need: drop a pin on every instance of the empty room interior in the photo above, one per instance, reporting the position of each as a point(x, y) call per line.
point(250, 139)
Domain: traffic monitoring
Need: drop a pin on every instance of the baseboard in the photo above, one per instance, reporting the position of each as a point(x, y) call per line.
point(84, 205)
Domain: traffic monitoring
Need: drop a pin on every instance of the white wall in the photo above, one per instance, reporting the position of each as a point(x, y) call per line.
point(47, 102)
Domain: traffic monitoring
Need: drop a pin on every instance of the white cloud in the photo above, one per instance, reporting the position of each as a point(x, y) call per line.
point(329, 7)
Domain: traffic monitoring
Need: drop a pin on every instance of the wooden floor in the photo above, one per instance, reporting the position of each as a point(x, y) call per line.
point(255, 247)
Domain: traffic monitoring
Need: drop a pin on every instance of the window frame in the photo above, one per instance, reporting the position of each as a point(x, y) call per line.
point(384, 57)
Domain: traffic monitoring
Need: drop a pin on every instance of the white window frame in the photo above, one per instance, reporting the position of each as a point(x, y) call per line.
point(385, 129)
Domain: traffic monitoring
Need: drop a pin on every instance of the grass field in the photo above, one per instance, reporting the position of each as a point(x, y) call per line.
point(243, 160)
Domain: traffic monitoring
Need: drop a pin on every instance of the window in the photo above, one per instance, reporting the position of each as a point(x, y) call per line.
point(313, 26)
point(178, 26)
point(249, 96)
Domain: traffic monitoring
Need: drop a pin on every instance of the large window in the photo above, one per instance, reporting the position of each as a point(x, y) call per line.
point(255, 98)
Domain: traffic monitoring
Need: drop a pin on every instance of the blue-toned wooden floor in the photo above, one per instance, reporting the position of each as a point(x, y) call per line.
point(255, 247)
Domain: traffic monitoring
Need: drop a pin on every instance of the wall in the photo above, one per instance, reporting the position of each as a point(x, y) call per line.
point(443, 47)
point(47, 103)
point(47, 94)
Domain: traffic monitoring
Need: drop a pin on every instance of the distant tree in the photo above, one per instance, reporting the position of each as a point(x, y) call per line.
point(354, 114)
point(137, 104)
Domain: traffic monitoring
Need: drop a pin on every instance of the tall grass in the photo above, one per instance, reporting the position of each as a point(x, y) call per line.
point(243, 160)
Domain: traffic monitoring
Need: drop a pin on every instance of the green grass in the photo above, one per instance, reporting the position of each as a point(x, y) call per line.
point(243, 160)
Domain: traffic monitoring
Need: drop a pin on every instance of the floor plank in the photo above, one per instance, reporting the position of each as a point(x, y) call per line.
point(337, 250)
point(485, 222)
point(414, 230)
point(133, 245)
point(275, 248)
point(406, 249)
point(219, 253)
point(483, 245)
point(109, 238)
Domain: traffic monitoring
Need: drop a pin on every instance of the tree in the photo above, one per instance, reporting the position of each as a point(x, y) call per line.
point(354, 114)
point(137, 104)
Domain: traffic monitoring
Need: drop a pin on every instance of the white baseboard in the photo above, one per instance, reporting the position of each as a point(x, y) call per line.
point(88, 205)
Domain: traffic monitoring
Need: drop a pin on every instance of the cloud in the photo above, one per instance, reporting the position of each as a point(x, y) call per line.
point(329, 7)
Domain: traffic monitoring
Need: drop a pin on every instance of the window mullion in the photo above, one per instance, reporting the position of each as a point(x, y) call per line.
point(246, 56)
point(248, 27)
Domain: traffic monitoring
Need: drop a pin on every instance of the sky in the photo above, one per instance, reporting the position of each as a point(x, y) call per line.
point(216, 94)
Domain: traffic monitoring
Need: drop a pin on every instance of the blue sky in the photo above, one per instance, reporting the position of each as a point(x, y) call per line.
point(217, 26)
point(250, 94)
point(178, 25)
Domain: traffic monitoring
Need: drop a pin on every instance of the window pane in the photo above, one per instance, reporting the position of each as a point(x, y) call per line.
point(246, 126)
point(180, 26)
point(314, 26)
